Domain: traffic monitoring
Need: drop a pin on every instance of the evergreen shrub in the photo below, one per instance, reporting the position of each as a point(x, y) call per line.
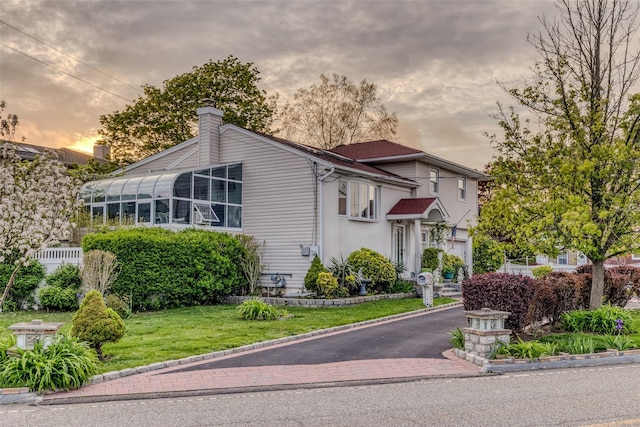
point(376, 267)
point(165, 269)
point(311, 278)
point(430, 259)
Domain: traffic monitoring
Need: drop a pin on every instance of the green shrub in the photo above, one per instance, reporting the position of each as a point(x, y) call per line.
point(488, 256)
point(452, 263)
point(604, 320)
point(346, 275)
point(457, 339)
point(64, 364)
point(57, 298)
point(65, 276)
point(376, 267)
point(257, 309)
point(531, 350)
point(430, 259)
point(329, 287)
point(96, 324)
point(311, 278)
point(26, 282)
point(121, 305)
point(164, 269)
point(541, 271)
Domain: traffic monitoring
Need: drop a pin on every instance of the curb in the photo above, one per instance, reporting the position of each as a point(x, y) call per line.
point(610, 357)
point(25, 397)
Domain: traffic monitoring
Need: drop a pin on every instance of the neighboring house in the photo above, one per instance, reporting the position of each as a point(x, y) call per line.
point(300, 200)
point(65, 155)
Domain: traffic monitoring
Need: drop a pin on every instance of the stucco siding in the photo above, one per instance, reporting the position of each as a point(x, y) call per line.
point(278, 203)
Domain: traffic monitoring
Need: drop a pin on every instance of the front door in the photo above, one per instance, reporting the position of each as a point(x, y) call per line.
point(399, 244)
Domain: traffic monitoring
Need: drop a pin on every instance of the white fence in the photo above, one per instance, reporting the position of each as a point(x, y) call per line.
point(53, 257)
point(525, 270)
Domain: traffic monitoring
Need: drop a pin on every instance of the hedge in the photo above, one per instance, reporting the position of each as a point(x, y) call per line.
point(165, 269)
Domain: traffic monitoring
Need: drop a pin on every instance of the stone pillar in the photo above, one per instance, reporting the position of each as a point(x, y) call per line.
point(28, 333)
point(486, 331)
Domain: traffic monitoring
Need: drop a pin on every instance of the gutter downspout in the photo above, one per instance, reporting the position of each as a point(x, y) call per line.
point(320, 216)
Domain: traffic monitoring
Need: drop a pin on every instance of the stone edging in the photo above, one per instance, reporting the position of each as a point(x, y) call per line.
point(609, 357)
point(311, 302)
point(173, 363)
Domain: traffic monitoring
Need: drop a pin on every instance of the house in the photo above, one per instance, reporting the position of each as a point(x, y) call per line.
point(65, 156)
point(300, 200)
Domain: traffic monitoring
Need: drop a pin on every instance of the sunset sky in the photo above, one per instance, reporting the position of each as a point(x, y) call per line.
point(436, 63)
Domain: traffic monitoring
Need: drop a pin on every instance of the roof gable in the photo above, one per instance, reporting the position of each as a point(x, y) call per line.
point(374, 150)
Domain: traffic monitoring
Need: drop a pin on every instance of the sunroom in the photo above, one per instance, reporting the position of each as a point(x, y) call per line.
point(209, 197)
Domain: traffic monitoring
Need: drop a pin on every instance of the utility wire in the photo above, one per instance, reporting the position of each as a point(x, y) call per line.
point(69, 56)
point(64, 72)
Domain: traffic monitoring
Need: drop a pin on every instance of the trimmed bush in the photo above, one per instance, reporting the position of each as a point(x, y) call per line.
point(556, 293)
point(120, 305)
point(311, 278)
point(58, 299)
point(430, 259)
point(26, 282)
point(64, 364)
point(541, 271)
point(500, 291)
point(487, 255)
point(329, 287)
point(96, 324)
point(164, 269)
point(65, 276)
point(376, 267)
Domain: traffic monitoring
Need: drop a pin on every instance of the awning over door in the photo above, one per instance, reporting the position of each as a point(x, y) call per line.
point(427, 209)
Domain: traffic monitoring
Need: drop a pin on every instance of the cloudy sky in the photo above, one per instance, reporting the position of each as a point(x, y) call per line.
point(436, 63)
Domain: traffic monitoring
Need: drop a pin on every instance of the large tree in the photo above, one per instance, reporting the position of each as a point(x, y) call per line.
point(164, 117)
point(8, 124)
point(337, 112)
point(568, 175)
point(37, 201)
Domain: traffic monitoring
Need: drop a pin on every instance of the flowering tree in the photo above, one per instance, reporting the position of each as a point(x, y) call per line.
point(37, 201)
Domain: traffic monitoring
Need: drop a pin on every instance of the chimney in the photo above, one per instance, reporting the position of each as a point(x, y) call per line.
point(102, 152)
point(209, 122)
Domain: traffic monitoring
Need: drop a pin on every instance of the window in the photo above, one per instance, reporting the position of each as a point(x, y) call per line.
point(434, 181)
point(462, 189)
point(363, 200)
point(563, 258)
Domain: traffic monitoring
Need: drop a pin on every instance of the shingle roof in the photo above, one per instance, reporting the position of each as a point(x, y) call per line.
point(374, 150)
point(65, 155)
point(336, 158)
point(415, 206)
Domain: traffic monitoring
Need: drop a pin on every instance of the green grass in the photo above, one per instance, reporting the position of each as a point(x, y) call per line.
point(178, 333)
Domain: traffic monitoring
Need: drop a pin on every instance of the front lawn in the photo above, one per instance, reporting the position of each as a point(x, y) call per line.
point(174, 334)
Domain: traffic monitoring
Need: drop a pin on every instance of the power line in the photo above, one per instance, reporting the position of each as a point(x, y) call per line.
point(64, 72)
point(69, 56)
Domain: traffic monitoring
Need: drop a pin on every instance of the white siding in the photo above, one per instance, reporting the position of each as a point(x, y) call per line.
point(404, 169)
point(278, 207)
point(186, 157)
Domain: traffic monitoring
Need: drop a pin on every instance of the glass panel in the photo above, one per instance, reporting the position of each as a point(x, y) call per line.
point(164, 186)
point(201, 188)
point(161, 212)
point(86, 190)
point(364, 201)
point(113, 211)
point(181, 212)
point(220, 211)
point(144, 212)
point(145, 190)
point(235, 216)
point(97, 212)
point(182, 186)
point(115, 190)
point(218, 191)
point(220, 172)
point(342, 197)
point(100, 190)
point(353, 194)
point(372, 202)
point(235, 172)
point(130, 189)
point(206, 172)
point(129, 211)
point(235, 193)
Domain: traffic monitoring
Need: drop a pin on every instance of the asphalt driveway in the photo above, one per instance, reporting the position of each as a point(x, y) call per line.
point(423, 336)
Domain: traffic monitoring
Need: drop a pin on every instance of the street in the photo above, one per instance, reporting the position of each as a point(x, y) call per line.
point(574, 397)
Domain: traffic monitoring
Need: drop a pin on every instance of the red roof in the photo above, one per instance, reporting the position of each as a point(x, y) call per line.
point(374, 150)
point(415, 206)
